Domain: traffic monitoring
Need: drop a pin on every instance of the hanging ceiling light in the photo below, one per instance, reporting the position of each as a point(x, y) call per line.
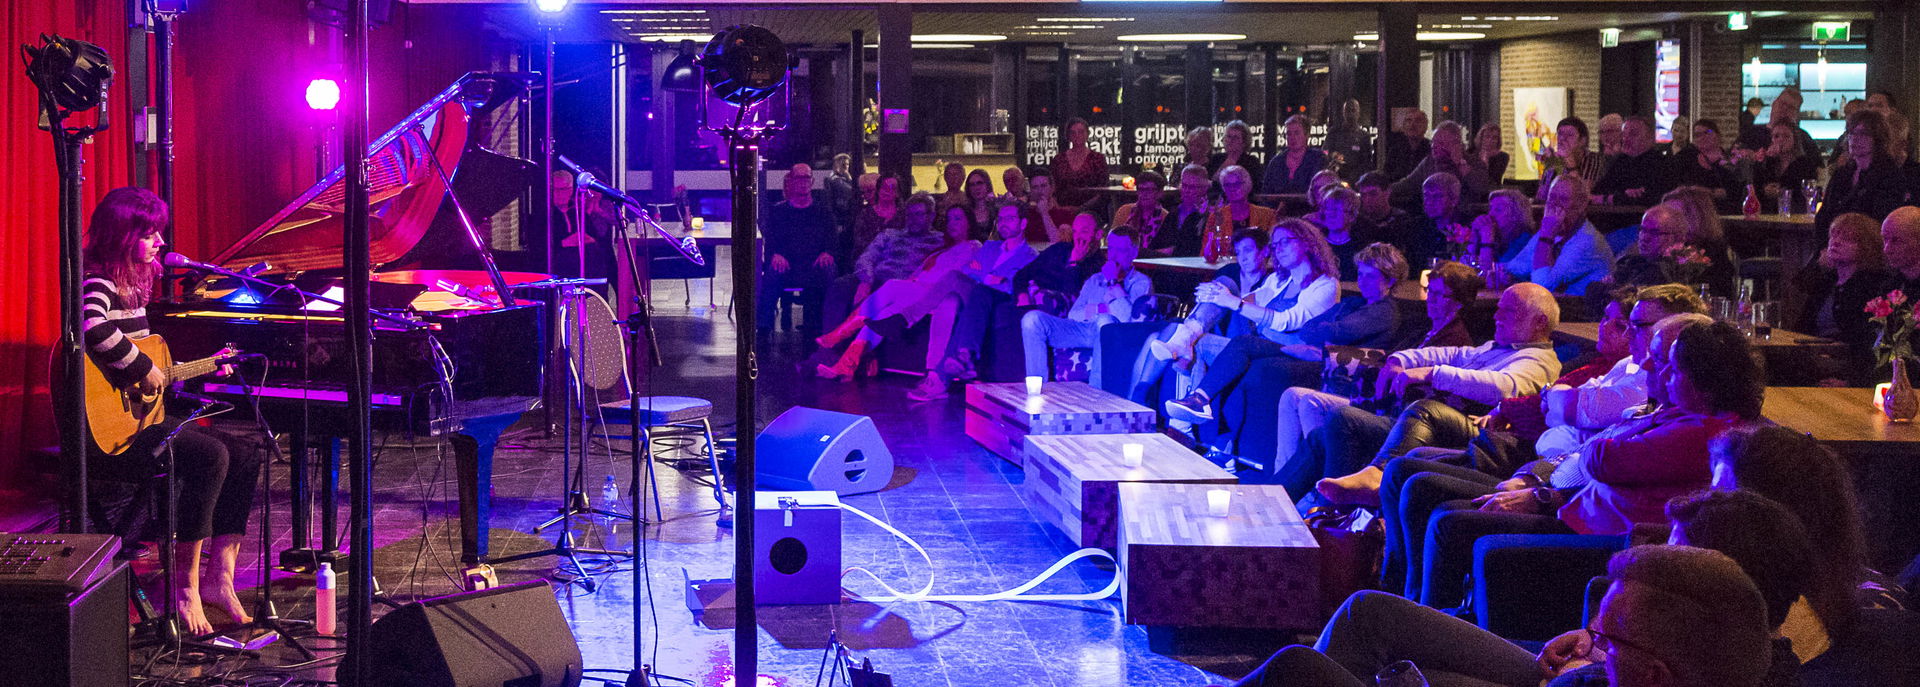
point(682, 75)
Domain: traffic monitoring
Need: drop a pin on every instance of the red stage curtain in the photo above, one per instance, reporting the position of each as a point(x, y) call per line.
point(29, 203)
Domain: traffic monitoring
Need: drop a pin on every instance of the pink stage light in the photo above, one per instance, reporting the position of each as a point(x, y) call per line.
point(323, 94)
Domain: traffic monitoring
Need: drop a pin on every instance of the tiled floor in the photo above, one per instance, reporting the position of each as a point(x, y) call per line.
point(960, 502)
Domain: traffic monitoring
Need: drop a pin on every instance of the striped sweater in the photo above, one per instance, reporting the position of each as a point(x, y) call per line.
point(107, 326)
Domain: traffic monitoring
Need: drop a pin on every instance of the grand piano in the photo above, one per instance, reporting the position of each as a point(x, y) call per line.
point(456, 352)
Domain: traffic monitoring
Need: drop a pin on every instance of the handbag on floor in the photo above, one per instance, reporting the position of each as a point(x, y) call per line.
point(1352, 542)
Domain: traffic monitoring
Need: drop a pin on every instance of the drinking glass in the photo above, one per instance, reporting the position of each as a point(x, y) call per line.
point(1765, 315)
point(1401, 674)
point(1722, 309)
point(1705, 292)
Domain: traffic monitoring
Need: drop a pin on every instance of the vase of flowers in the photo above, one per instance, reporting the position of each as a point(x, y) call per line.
point(1686, 263)
point(1894, 314)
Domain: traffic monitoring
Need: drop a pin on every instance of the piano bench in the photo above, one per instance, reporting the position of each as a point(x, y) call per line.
point(658, 410)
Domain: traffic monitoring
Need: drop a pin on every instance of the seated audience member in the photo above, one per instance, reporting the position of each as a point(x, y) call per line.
point(798, 249)
point(979, 203)
point(1870, 182)
point(1447, 154)
point(1452, 300)
point(1780, 169)
point(1567, 255)
point(1570, 155)
point(1796, 470)
point(1378, 216)
point(912, 296)
point(1557, 423)
point(895, 253)
point(1425, 237)
point(1407, 145)
point(1706, 165)
point(1675, 616)
point(1609, 133)
point(1014, 180)
point(1338, 215)
point(1900, 242)
point(1701, 380)
point(1048, 219)
point(1368, 320)
point(1107, 296)
point(1064, 266)
point(880, 214)
point(1234, 140)
point(1183, 229)
point(1835, 290)
point(1500, 234)
point(1239, 211)
point(1706, 233)
point(1486, 149)
point(1247, 277)
point(953, 180)
point(1519, 361)
point(1640, 174)
point(1145, 215)
point(982, 285)
point(1297, 164)
point(1317, 188)
point(1305, 284)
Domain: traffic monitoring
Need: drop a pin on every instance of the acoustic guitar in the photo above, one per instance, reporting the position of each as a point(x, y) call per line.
point(114, 415)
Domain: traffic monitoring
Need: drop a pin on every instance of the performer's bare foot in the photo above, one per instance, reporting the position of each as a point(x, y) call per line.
point(1358, 489)
point(193, 620)
point(220, 594)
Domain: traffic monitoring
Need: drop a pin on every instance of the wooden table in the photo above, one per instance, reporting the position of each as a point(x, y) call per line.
point(1178, 276)
point(1258, 567)
point(1588, 333)
point(1792, 235)
point(1000, 416)
point(1073, 480)
point(1883, 458)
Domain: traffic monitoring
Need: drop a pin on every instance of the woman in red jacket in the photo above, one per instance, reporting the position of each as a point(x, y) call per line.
point(1701, 381)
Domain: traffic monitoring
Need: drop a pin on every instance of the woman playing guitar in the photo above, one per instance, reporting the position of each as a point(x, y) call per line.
point(123, 247)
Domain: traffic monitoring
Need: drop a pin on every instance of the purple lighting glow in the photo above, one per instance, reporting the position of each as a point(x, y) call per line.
point(323, 94)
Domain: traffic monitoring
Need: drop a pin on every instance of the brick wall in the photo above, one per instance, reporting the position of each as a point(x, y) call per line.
point(1570, 60)
point(1720, 79)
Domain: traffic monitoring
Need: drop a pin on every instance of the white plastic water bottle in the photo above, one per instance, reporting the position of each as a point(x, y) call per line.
point(324, 606)
point(609, 494)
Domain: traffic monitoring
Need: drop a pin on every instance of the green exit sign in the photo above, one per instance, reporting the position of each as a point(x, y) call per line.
point(1832, 30)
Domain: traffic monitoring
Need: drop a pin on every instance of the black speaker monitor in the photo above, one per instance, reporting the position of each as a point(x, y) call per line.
point(513, 636)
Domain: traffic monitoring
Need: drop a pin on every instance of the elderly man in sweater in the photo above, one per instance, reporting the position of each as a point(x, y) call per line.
point(1469, 379)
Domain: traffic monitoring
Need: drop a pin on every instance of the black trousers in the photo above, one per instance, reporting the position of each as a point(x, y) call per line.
point(1449, 547)
point(216, 485)
point(1426, 423)
point(1410, 491)
point(1234, 360)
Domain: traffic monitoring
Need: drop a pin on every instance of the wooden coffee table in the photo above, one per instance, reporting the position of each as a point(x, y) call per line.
point(1072, 481)
point(1258, 567)
point(1000, 416)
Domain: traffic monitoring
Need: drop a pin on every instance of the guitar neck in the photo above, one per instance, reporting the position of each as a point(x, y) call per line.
point(181, 372)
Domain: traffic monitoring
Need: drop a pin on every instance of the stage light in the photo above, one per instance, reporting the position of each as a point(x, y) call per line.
point(682, 75)
point(550, 6)
point(71, 73)
point(745, 64)
point(323, 94)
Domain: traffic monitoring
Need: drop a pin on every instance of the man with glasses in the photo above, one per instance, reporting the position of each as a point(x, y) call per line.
point(1673, 616)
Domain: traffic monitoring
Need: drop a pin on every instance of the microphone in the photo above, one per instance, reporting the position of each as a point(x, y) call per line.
point(176, 260)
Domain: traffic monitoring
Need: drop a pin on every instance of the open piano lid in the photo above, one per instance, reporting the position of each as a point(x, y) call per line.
point(408, 167)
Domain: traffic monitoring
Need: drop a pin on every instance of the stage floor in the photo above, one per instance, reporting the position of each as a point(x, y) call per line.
point(955, 498)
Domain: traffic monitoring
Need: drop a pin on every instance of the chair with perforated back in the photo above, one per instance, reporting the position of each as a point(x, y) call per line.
point(604, 381)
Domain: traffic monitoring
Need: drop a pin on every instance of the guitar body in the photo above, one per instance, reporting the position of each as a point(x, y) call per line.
point(115, 416)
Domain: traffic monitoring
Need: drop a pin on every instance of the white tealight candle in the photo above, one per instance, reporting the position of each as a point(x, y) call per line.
point(1217, 502)
point(1033, 386)
point(1880, 395)
point(1133, 453)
